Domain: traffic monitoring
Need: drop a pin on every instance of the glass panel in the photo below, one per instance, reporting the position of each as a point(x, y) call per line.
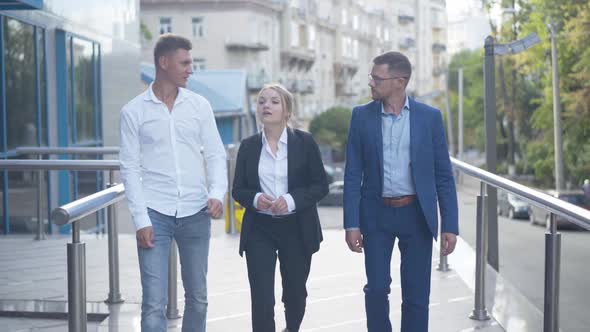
point(43, 80)
point(2, 225)
point(21, 114)
point(69, 89)
point(84, 90)
point(87, 185)
point(21, 109)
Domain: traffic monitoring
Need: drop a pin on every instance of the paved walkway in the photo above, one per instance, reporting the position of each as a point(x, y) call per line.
point(36, 270)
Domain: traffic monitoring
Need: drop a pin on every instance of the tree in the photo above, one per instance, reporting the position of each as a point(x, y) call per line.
point(331, 128)
point(472, 64)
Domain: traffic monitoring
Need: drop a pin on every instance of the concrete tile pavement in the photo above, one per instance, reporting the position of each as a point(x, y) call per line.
point(37, 270)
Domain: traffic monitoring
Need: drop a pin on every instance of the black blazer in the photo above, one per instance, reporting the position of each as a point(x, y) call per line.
point(307, 184)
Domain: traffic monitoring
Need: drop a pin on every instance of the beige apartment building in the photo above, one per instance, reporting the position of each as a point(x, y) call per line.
point(319, 49)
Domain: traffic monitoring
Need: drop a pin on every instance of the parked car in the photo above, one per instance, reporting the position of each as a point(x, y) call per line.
point(334, 197)
point(512, 206)
point(541, 216)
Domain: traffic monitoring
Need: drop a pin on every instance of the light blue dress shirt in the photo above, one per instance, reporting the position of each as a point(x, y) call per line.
point(397, 173)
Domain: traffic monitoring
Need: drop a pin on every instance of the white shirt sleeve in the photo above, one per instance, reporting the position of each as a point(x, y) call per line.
point(256, 200)
point(130, 162)
point(290, 202)
point(214, 153)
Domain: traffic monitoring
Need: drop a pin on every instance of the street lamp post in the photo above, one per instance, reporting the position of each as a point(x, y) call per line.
point(556, 112)
point(491, 50)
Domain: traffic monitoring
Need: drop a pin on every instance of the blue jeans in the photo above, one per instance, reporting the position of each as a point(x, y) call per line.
point(192, 236)
point(408, 225)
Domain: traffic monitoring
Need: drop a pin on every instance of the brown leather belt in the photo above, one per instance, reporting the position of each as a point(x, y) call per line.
point(398, 201)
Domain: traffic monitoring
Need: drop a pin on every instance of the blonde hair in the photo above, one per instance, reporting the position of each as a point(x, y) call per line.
point(287, 100)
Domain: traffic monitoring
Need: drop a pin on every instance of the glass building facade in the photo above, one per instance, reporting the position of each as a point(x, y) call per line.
point(67, 67)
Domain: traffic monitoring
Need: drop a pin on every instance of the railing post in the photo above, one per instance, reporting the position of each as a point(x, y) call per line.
point(552, 271)
point(114, 290)
point(40, 228)
point(172, 309)
point(479, 311)
point(231, 159)
point(76, 282)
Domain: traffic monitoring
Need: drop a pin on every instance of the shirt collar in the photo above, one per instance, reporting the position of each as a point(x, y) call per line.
point(282, 139)
point(150, 95)
point(406, 106)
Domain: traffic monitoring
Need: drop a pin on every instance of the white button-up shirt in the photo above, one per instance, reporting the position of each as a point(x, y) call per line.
point(273, 172)
point(161, 161)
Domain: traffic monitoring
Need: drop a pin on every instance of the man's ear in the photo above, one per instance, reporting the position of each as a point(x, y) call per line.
point(163, 62)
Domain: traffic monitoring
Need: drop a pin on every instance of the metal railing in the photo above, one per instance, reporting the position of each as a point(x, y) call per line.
point(70, 214)
point(555, 206)
point(39, 152)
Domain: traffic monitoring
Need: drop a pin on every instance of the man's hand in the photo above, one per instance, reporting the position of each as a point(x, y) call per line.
point(264, 202)
point(354, 239)
point(214, 208)
point(280, 206)
point(145, 237)
point(448, 242)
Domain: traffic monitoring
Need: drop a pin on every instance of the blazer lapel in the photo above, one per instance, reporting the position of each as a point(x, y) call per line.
point(291, 157)
point(376, 127)
point(255, 160)
point(415, 121)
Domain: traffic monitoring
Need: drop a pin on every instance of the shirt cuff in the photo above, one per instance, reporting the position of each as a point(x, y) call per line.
point(220, 196)
point(290, 202)
point(256, 200)
point(352, 229)
point(142, 221)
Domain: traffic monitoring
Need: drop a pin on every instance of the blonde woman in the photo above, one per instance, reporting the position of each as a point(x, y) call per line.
point(279, 179)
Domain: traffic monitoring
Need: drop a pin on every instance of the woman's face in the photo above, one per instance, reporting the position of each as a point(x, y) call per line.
point(270, 108)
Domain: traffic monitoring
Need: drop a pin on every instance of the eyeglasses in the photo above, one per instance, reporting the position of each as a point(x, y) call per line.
point(378, 79)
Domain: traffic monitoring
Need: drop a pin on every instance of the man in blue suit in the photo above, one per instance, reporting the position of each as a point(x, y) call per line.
point(397, 170)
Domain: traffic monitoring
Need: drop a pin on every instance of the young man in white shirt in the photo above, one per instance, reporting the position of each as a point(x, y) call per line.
point(170, 193)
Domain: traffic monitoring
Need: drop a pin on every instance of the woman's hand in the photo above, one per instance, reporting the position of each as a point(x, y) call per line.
point(280, 206)
point(264, 202)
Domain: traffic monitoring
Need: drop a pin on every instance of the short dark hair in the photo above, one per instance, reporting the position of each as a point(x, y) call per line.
point(396, 61)
point(169, 42)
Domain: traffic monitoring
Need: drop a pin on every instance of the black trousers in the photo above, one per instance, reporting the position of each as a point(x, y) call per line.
point(271, 238)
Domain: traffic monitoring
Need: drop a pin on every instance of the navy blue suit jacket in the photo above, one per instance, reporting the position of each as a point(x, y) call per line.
point(430, 165)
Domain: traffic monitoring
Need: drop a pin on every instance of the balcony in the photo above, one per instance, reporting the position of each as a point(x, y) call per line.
point(305, 86)
point(405, 19)
point(246, 46)
point(438, 71)
point(345, 69)
point(290, 84)
point(438, 48)
point(344, 89)
point(255, 81)
point(407, 43)
point(297, 59)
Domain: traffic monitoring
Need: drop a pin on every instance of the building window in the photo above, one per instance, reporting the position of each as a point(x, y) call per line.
point(198, 27)
point(355, 49)
point(378, 31)
point(344, 16)
point(199, 64)
point(386, 34)
point(311, 37)
point(355, 22)
point(347, 47)
point(294, 34)
point(23, 120)
point(165, 25)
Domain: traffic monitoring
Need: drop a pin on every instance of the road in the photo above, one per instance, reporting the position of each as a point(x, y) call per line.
point(522, 256)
